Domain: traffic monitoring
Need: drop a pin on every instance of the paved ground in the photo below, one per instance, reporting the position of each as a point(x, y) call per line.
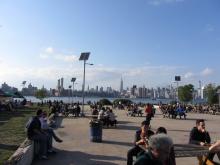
point(78, 150)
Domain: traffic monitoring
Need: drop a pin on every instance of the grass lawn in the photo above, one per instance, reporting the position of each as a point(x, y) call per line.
point(12, 130)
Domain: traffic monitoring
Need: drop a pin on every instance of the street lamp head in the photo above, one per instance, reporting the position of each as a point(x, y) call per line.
point(73, 79)
point(89, 64)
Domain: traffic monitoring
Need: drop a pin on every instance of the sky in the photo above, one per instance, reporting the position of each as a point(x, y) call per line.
point(144, 42)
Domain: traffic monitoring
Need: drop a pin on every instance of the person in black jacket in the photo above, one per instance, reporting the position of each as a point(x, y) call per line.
point(199, 136)
point(141, 137)
point(34, 132)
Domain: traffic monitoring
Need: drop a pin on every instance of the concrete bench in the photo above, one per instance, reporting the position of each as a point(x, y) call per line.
point(190, 150)
point(25, 153)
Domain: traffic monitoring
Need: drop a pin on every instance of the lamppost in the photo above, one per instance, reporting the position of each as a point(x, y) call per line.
point(73, 81)
point(69, 92)
point(177, 79)
point(84, 57)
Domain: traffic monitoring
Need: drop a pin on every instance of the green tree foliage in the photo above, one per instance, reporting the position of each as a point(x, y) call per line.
point(41, 94)
point(185, 93)
point(104, 102)
point(122, 101)
point(210, 93)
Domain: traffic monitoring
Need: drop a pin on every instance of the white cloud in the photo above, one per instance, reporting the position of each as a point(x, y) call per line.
point(188, 75)
point(207, 72)
point(44, 56)
point(66, 58)
point(159, 2)
point(95, 75)
point(49, 50)
point(49, 53)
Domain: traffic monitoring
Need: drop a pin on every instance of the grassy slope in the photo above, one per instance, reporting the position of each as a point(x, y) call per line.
point(12, 131)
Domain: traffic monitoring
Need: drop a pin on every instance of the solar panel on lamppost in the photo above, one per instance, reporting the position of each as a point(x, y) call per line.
point(84, 57)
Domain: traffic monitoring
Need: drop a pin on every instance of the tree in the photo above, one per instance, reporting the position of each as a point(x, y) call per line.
point(41, 94)
point(185, 93)
point(122, 101)
point(210, 93)
point(104, 102)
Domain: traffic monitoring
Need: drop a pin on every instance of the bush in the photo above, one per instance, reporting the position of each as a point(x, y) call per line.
point(104, 102)
point(122, 101)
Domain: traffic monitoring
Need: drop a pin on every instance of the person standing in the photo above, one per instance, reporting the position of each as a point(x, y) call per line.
point(149, 112)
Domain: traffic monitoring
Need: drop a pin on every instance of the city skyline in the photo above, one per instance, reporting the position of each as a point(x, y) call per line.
point(147, 42)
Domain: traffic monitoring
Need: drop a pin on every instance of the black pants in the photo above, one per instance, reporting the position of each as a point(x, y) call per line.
point(148, 117)
point(132, 152)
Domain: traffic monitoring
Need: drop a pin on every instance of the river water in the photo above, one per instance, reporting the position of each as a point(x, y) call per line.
point(95, 99)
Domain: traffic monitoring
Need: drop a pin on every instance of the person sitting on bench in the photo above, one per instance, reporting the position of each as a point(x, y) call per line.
point(199, 136)
point(141, 137)
point(158, 151)
point(35, 133)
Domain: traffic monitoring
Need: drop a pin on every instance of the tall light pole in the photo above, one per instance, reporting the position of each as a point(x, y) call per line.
point(69, 92)
point(84, 57)
point(177, 79)
point(73, 81)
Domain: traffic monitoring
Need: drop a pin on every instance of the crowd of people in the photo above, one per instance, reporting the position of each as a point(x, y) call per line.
point(152, 148)
point(157, 148)
point(104, 115)
point(172, 111)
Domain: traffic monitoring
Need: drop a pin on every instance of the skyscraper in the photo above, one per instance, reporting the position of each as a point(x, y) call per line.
point(58, 84)
point(121, 86)
point(62, 83)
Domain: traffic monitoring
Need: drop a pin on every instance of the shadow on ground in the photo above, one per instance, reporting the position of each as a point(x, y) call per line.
point(78, 158)
point(124, 122)
point(127, 127)
point(175, 130)
point(117, 143)
point(190, 119)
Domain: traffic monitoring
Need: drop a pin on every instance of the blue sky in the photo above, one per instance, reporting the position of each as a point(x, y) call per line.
point(147, 42)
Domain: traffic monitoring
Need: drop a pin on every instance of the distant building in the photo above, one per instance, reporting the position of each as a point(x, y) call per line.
point(121, 86)
point(109, 89)
point(7, 88)
point(29, 91)
point(58, 84)
point(62, 81)
point(101, 89)
point(134, 91)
